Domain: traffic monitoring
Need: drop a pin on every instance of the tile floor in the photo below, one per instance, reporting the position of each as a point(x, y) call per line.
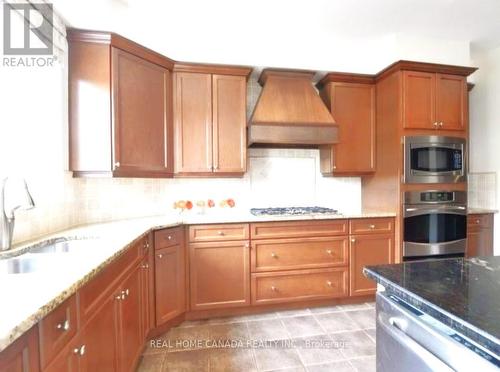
point(336, 338)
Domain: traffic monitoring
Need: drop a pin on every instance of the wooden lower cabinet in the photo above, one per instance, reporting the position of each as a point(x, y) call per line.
point(366, 250)
point(22, 355)
point(129, 326)
point(96, 344)
point(112, 338)
point(299, 285)
point(219, 274)
point(147, 296)
point(170, 278)
point(94, 347)
point(303, 253)
point(479, 235)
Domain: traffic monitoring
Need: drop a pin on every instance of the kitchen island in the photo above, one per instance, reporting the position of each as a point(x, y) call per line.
point(448, 306)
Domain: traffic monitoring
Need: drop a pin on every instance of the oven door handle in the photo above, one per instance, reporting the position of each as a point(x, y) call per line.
point(418, 211)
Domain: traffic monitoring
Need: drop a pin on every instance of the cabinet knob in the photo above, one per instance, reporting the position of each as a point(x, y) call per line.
point(478, 222)
point(274, 289)
point(435, 124)
point(372, 227)
point(216, 167)
point(160, 255)
point(117, 164)
point(329, 251)
point(79, 350)
point(169, 237)
point(353, 240)
point(328, 283)
point(63, 326)
point(221, 233)
point(126, 292)
point(119, 297)
point(247, 245)
point(441, 124)
point(145, 266)
point(274, 255)
point(334, 167)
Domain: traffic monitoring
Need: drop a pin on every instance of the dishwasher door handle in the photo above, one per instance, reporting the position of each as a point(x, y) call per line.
point(395, 327)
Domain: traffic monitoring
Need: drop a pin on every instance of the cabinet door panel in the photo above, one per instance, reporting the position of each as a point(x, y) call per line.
point(146, 321)
point(170, 283)
point(419, 92)
point(451, 91)
point(193, 122)
point(98, 338)
point(67, 360)
point(229, 123)
point(130, 330)
point(366, 250)
point(142, 114)
point(220, 274)
point(353, 107)
point(22, 355)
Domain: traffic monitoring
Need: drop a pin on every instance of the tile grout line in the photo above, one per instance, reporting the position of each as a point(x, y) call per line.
point(254, 357)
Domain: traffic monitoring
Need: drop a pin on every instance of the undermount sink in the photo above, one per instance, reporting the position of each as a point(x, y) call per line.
point(44, 256)
point(22, 265)
point(66, 246)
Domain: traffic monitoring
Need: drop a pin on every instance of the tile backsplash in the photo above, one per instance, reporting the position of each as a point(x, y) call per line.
point(275, 177)
point(482, 190)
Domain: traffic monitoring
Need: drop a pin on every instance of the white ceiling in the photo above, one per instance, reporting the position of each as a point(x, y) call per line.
point(264, 32)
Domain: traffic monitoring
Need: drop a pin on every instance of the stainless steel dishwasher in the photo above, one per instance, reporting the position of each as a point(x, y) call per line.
point(412, 341)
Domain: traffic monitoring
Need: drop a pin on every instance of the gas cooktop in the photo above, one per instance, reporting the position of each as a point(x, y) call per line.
point(292, 211)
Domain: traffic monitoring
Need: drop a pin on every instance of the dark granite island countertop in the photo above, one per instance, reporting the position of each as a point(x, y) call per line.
point(462, 293)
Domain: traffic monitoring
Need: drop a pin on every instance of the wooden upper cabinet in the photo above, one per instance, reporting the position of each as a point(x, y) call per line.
point(210, 120)
point(193, 123)
point(353, 108)
point(141, 109)
point(434, 101)
point(229, 124)
point(451, 102)
point(120, 108)
point(419, 100)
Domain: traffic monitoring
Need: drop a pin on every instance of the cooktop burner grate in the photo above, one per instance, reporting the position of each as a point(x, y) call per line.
point(292, 211)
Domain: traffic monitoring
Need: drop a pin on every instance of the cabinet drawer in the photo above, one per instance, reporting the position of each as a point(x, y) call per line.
point(96, 290)
point(299, 285)
point(298, 229)
point(207, 233)
point(371, 225)
point(479, 221)
point(305, 253)
point(57, 329)
point(169, 237)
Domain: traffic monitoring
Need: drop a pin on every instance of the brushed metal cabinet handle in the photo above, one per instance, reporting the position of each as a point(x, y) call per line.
point(63, 326)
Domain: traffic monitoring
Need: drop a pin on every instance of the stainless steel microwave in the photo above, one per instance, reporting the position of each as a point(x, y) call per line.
point(434, 159)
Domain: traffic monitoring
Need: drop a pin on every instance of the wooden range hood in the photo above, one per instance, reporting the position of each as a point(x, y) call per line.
point(289, 111)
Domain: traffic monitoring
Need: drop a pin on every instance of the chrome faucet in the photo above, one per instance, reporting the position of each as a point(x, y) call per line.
point(7, 218)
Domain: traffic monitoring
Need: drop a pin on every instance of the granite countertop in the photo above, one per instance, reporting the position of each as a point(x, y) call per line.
point(481, 211)
point(462, 293)
point(31, 296)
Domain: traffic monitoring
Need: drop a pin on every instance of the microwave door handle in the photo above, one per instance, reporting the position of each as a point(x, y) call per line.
point(412, 211)
point(391, 327)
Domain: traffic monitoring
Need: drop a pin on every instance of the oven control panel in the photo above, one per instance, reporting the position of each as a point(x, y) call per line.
point(437, 196)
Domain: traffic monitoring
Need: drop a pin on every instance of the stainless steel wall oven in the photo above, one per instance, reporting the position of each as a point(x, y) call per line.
point(435, 224)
